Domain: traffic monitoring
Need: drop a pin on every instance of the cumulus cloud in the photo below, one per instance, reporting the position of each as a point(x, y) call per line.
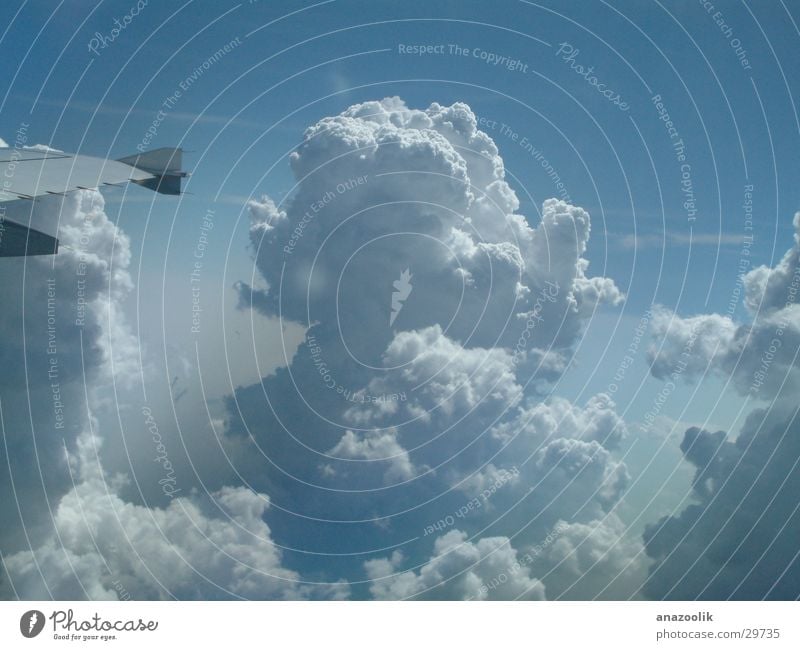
point(558, 417)
point(104, 548)
point(377, 446)
point(569, 561)
point(63, 335)
point(382, 188)
point(739, 539)
point(760, 355)
point(436, 315)
point(406, 397)
point(69, 532)
point(460, 569)
point(442, 375)
point(596, 559)
point(770, 289)
point(68, 298)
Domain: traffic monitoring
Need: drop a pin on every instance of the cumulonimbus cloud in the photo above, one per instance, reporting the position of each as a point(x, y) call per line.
point(426, 405)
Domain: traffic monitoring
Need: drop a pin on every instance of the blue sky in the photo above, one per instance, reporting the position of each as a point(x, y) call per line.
point(288, 65)
point(113, 99)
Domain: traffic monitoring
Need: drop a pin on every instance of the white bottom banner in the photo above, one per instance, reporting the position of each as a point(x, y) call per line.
point(401, 625)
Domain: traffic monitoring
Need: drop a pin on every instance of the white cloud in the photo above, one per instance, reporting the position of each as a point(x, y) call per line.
point(382, 188)
point(61, 323)
point(442, 375)
point(103, 546)
point(771, 289)
point(377, 447)
point(65, 340)
point(459, 569)
point(759, 355)
point(596, 559)
point(739, 539)
point(560, 418)
point(445, 397)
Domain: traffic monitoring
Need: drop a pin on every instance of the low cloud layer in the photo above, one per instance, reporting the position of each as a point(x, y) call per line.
point(195, 548)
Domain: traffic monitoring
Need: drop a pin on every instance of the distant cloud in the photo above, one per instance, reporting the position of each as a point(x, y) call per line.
point(761, 355)
point(739, 540)
point(667, 239)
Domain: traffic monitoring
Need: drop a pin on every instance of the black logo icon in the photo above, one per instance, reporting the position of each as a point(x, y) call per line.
point(31, 623)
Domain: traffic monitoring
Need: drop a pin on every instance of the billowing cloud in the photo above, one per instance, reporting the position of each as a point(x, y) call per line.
point(104, 548)
point(570, 561)
point(376, 446)
point(442, 375)
point(64, 334)
point(489, 569)
point(436, 317)
point(596, 559)
point(69, 533)
point(760, 355)
point(739, 539)
point(774, 288)
point(68, 299)
point(382, 188)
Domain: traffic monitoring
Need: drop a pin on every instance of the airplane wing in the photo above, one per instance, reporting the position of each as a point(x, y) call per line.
point(29, 173)
point(17, 240)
